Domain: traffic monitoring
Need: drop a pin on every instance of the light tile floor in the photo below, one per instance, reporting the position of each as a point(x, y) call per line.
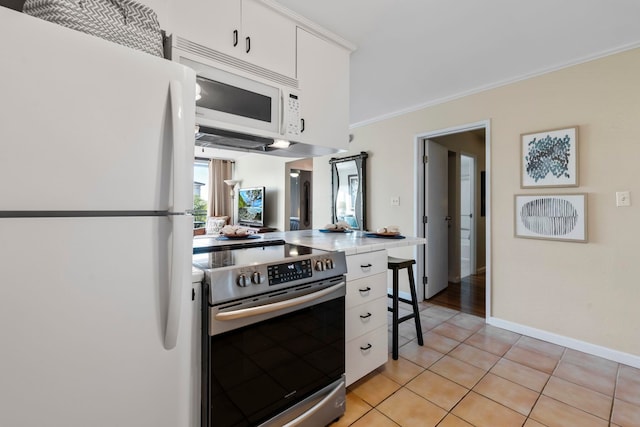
point(472, 374)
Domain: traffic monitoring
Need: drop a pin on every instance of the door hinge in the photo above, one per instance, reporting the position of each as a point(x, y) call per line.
point(424, 280)
point(425, 159)
point(425, 219)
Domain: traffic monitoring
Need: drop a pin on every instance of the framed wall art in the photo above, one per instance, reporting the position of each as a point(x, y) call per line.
point(551, 216)
point(549, 158)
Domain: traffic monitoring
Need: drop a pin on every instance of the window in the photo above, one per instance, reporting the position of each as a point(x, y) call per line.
point(200, 192)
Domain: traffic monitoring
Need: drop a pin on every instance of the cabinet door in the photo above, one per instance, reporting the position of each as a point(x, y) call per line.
point(366, 353)
point(211, 23)
point(323, 73)
point(272, 38)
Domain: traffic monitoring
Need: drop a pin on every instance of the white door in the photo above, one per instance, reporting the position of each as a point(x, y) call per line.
point(437, 226)
point(467, 215)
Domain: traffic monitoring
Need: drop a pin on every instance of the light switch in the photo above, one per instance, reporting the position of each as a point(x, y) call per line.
point(623, 198)
point(395, 201)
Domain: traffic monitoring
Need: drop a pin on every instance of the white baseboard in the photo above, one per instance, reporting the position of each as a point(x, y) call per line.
point(585, 347)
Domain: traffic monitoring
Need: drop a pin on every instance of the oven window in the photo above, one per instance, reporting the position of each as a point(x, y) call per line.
point(260, 370)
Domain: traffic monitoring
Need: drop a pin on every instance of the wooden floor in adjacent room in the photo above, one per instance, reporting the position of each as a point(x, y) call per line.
point(468, 296)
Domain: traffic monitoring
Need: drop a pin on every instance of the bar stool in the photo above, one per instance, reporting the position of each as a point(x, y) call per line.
point(396, 264)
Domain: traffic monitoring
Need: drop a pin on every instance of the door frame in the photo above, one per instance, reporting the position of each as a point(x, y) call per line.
point(419, 213)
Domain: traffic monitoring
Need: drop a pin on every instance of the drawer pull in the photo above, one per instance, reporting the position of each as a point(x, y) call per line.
point(364, 290)
point(365, 267)
point(365, 316)
point(366, 347)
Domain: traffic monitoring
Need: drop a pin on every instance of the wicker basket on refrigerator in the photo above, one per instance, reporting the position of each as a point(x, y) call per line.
point(125, 22)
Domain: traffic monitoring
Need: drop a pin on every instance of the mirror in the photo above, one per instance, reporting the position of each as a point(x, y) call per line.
point(348, 190)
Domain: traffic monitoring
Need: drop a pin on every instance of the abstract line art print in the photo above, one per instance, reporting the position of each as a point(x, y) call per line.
point(551, 216)
point(549, 158)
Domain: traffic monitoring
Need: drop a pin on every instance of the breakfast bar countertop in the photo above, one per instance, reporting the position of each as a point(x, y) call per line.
point(351, 243)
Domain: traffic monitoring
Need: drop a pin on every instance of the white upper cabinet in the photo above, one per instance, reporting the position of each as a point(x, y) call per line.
point(248, 30)
point(323, 74)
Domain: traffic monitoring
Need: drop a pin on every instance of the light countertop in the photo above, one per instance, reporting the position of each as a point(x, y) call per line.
point(351, 243)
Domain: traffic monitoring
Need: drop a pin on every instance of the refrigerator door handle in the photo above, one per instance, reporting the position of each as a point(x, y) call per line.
point(182, 223)
point(182, 186)
point(180, 261)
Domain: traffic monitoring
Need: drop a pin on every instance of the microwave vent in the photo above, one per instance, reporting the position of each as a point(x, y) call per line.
point(238, 64)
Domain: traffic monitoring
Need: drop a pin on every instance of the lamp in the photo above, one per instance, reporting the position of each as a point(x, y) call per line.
point(294, 173)
point(233, 183)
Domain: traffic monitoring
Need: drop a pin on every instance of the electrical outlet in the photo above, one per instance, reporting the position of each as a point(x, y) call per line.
point(623, 198)
point(395, 201)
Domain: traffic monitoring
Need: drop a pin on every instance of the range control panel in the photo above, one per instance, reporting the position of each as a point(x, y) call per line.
point(282, 273)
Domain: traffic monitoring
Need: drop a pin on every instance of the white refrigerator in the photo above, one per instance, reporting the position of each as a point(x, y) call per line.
point(96, 180)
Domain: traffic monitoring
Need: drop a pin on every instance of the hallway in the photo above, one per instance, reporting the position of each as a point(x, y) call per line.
point(468, 296)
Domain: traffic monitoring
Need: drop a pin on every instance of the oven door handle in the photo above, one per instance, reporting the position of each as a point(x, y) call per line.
point(270, 308)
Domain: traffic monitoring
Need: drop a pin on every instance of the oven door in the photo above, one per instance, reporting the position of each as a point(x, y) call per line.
point(277, 359)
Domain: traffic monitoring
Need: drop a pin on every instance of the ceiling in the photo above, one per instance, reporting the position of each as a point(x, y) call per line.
point(414, 53)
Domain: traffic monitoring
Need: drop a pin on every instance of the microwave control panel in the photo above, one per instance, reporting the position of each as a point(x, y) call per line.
point(293, 115)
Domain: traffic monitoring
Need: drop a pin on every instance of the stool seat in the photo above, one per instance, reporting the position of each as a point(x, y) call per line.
point(393, 262)
point(395, 265)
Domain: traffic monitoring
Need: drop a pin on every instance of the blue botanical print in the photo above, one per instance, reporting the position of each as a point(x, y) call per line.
point(548, 155)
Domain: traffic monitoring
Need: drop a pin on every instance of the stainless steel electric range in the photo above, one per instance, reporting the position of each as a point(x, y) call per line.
point(273, 341)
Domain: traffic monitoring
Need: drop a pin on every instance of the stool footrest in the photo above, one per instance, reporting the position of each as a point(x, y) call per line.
point(403, 318)
point(404, 300)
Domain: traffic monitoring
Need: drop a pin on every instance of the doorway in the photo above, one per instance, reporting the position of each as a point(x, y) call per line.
point(298, 190)
point(462, 190)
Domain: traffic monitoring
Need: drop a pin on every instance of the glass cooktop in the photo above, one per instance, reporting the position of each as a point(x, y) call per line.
point(241, 255)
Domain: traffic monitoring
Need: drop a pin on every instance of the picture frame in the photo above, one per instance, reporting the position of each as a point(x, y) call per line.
point(551, 216)
point(549, 158)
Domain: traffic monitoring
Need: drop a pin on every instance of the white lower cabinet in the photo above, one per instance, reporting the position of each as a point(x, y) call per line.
point(366, 314)
point(365, 318)
point(366, 353)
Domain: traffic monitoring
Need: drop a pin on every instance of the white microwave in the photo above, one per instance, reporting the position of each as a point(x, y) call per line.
point(230, 101)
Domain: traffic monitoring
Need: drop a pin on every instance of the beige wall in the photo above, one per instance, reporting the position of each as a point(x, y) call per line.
point(583, 291)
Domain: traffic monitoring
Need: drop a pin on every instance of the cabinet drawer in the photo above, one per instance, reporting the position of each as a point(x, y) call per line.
point(366, 353)
point(367, 264)
point(364, 318)
point(366, 289)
